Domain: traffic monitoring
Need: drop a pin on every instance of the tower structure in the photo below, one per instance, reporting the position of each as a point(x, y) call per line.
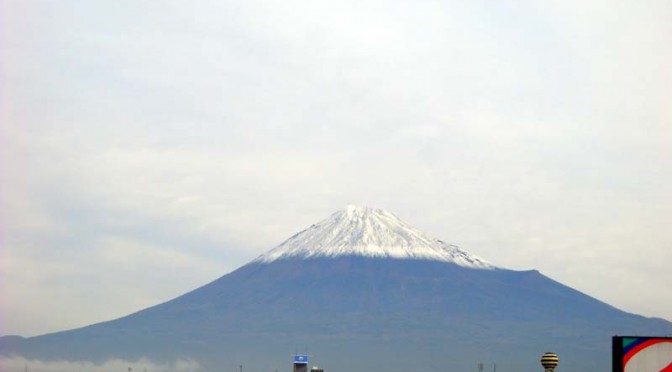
point(300, 363)
point(549, 361)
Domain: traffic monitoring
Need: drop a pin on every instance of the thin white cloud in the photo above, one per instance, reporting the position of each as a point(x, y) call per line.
point(141, 365)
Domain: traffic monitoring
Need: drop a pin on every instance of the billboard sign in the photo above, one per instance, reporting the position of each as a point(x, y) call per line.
point(641, 354)
point(300, 359)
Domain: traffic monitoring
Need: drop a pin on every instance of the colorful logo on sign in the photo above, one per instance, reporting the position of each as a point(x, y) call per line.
point(647, 354)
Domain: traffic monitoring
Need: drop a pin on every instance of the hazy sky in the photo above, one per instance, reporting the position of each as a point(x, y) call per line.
point(149, 147)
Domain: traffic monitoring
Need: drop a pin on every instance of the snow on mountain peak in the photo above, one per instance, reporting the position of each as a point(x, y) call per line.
point(369, 232)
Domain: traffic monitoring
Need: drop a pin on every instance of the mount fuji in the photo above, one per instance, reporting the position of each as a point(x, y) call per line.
point(360, 290)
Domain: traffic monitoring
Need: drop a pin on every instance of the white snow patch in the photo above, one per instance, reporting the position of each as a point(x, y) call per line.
point(369, 232)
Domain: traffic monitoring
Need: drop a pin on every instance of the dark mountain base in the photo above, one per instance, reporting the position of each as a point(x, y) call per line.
point(355, 313)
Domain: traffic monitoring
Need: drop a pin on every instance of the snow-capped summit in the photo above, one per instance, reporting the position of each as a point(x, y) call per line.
point(369, 232)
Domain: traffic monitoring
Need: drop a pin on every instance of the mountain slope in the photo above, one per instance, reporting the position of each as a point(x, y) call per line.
point(357, 310)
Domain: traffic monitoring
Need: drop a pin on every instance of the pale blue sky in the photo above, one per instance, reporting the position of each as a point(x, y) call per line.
point(149, 147)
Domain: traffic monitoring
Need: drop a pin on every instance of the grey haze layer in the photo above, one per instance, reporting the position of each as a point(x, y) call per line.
point(354, 310)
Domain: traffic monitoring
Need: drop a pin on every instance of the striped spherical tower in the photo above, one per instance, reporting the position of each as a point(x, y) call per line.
point(549, 361)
